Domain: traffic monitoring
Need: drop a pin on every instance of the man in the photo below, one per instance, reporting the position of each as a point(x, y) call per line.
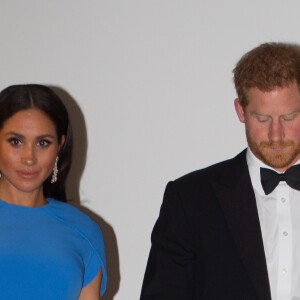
point(222, 233)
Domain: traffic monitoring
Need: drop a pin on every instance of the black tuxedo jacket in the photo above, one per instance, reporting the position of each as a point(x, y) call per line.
point(207, 242)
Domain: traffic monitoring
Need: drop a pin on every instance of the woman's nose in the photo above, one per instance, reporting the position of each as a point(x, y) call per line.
point(28, 157)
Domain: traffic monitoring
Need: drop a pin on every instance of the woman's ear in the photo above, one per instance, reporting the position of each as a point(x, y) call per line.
point(62, 141)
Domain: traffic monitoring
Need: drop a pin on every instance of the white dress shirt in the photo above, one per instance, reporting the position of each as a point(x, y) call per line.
point(279, 216)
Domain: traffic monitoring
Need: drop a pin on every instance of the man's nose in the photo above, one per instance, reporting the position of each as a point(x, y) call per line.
point(276, 131)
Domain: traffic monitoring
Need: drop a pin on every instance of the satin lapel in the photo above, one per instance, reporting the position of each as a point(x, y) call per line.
point(237, 199)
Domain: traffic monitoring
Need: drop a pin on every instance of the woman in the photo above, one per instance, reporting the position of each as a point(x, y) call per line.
point(48, 248)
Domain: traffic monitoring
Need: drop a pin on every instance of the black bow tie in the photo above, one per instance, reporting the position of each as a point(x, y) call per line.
point(270, 179)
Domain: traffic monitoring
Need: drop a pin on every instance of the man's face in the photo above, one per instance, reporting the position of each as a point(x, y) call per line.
point(272, 123)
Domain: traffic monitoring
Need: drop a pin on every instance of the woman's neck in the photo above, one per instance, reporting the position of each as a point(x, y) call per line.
point(13, 196)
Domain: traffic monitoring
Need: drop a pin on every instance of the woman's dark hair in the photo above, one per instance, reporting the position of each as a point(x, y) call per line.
point(21, 97)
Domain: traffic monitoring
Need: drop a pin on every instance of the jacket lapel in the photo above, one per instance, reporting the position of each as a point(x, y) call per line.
point(238, 202)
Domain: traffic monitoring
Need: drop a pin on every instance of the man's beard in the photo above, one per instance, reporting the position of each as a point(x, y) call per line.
point(278, 160)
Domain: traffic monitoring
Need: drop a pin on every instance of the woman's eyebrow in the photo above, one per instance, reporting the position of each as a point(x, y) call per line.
point(21, 136)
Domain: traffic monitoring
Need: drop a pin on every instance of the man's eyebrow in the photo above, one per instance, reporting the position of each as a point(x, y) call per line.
point(291, 113)
point(265, 115)
point(259, 114)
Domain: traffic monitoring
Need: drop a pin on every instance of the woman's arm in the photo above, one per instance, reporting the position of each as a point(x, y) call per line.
point(92, 290)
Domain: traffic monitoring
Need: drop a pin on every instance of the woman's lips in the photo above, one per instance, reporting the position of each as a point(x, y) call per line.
point(28, 174)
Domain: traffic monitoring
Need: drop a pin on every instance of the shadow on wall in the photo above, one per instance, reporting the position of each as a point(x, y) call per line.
point(72, 188)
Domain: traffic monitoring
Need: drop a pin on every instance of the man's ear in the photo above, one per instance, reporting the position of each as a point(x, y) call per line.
point(239, 110)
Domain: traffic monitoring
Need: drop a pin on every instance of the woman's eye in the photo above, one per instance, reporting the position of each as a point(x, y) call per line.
point(14, 141)
point(44, 143)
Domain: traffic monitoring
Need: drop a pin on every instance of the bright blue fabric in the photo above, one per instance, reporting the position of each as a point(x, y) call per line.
point(49, 252)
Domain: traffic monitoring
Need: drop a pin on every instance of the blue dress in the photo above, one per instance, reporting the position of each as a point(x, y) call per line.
point(48, 252)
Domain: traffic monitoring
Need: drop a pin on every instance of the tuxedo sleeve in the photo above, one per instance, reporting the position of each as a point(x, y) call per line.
point(171, 264)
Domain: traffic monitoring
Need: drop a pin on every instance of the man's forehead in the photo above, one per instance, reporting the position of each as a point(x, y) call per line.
point(270, 88)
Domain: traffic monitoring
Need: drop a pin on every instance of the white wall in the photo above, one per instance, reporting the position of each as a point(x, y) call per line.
point(153, 85)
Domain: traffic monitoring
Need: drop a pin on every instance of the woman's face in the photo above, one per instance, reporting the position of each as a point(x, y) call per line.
point(28, 149)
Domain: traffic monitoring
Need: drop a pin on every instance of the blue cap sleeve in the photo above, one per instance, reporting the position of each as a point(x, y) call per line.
point(93, 251)
point(96, 260)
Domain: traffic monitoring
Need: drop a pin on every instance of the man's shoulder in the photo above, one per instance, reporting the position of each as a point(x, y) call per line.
point(223, 169)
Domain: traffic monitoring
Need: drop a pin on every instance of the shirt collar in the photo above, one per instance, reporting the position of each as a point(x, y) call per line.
point(254, 165)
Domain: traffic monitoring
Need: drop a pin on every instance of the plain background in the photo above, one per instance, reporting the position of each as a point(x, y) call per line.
point(149, 88)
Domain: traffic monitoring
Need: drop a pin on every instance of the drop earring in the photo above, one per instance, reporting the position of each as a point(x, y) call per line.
point(55, 171)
